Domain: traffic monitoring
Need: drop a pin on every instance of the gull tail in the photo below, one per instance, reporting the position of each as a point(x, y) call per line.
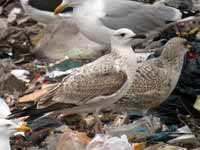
point(44, 105)
point(186, 14)
point(34, 113)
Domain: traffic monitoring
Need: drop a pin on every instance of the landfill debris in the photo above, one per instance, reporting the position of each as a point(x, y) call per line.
point(193, 124)
point(182, 136)
point(48, 138)
point(3, 24)
point(9, 83)
point(66, 64)
point(21, 74)
point(72, 140)
point(197, 103)
point(163, 146)
point(183, 139)
point(104, 142)
point(34, 96)
point(140, 129)
point(13, 15)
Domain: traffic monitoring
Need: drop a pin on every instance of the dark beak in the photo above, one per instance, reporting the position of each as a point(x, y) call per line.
point(139, 36)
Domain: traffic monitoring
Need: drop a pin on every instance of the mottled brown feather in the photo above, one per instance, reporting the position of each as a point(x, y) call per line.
point(88, 82)
point(149, 88)
point(87, 87)
point(155, 78)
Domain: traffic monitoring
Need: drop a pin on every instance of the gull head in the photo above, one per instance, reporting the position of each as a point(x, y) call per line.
point(177, 47)
point(65, 4)
point(8, 127)
point(124, 37)
point(175, 50)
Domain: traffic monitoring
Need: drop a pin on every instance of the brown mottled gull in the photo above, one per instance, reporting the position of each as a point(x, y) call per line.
point(98, 19)
point(95, 85)
point(155, 78)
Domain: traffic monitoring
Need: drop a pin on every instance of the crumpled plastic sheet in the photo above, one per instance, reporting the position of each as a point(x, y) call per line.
point(104, 142)
point(21, 74)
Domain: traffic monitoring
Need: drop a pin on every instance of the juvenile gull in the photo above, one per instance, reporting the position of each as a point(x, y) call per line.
point(97, 19)
point(95, 85)
point(155, 78)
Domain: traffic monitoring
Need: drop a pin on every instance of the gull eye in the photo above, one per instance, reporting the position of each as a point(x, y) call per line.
point(122, 34)
point(8, 125)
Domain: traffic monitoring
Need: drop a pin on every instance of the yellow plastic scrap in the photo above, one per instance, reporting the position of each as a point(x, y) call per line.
point(197, 103)
point(139, 146)
point(193, 31)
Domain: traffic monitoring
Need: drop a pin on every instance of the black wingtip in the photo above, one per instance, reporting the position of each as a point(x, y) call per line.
point(33, 113)
point(22, 113)
point(190, 13)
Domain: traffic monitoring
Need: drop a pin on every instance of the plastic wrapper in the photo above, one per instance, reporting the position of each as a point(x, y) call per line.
point(140, 129)
point(104, 142)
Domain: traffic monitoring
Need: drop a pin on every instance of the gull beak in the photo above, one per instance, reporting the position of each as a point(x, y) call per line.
point(61, 7)
point(139, 36)
point(23, 128)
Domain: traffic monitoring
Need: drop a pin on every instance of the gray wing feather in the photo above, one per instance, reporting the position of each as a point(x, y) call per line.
point(136, 16)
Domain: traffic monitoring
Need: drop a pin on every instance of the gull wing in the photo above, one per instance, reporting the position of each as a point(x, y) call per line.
point(137, 16)
point(151, 86)
point(88, 82)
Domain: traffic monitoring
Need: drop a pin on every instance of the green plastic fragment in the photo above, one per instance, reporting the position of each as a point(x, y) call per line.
point(67, 64)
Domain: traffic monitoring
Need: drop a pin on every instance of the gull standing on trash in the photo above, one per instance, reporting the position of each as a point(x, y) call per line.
point(156, 78)
point(93, 86)
point(98, 19)
point(8, 127)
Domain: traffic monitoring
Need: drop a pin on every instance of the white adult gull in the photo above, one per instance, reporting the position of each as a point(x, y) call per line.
point(8, 127)
point(98, 19)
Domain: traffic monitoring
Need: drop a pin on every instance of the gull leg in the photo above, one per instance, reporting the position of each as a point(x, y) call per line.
point(144, 112)
point(150, 120)
point(98, 124)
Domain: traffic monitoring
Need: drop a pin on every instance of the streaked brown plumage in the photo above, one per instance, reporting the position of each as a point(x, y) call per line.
point(88, 82)
point(155, 78)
